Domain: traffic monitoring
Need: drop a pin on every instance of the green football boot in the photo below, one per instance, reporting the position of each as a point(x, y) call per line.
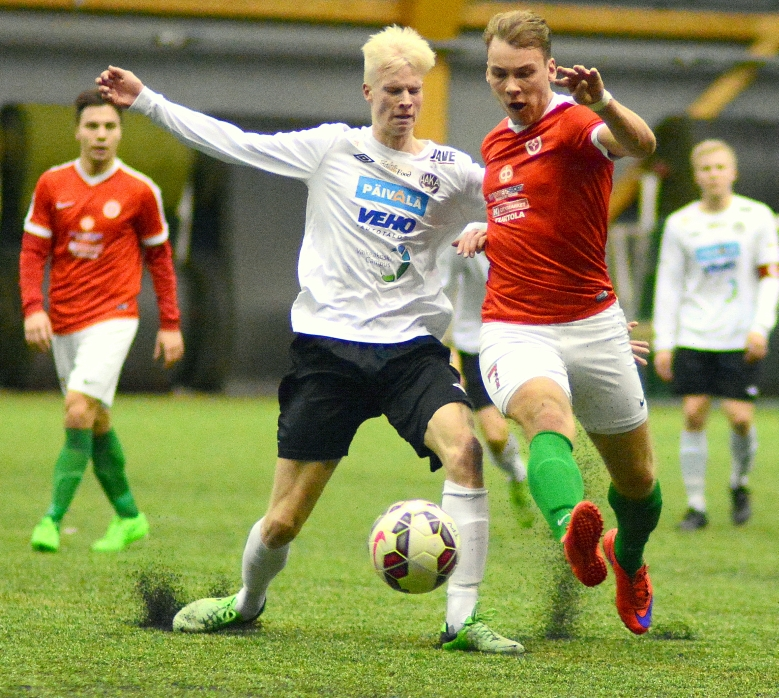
point(209, 615)
point(46, 536)
point(477, 636)
point(121, 532)
point(519, 493)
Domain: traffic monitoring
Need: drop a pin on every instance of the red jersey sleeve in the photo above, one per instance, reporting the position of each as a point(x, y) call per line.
point(152, 226)
point(159, 260)
point(36, 248)
point(32, 267)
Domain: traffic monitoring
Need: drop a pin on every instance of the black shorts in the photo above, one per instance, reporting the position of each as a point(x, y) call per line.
point(716, 373)
point(335, 385)
point(474, 385)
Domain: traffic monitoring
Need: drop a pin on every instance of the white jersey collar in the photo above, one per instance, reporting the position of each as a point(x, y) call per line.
point(556, 101)
point(93, 180)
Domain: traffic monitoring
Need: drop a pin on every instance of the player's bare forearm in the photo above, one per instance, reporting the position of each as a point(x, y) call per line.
point(630, 133)
point(118, 86)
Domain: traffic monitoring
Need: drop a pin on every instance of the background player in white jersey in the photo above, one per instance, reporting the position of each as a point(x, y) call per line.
point(368, 319)
point(94, 221)
point(715, 306)
point(465, 281)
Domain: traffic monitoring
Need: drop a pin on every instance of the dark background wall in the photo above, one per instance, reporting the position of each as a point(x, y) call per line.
point(237, 252)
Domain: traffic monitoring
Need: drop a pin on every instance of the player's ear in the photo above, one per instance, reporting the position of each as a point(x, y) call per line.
point(551, 68)
point(367, 92)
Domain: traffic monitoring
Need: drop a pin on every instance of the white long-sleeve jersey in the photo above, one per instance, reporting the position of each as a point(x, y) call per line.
point(709, 293)
point(465, 283)
point(376, 219)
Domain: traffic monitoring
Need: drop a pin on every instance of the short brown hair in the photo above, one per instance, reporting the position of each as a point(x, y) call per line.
point(91, 98)
point(520, 29)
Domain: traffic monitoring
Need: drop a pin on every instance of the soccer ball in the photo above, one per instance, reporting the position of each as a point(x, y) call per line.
point(414, 545)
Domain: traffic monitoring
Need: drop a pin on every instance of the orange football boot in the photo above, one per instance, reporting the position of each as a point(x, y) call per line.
point(581, 544)
point(634, 596)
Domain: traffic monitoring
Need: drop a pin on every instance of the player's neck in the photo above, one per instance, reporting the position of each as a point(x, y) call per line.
point(96, 167)
point(715, 204)
point(405, 143)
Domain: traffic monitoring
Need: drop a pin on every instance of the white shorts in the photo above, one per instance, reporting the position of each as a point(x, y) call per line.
point(89, 361)
point(590, 359)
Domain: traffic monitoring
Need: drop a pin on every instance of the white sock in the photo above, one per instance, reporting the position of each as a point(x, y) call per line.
point(693, 454)
point(468, 507)
point(742, 457)
point(260, 565)
point(510, 461)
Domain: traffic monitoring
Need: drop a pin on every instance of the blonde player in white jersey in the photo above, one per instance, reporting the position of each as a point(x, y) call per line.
point(715, 306)
point(368, 319)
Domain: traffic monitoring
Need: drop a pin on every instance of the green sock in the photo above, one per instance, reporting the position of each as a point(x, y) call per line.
point(554, 478)
point(108, 459)
point(636, 519)
point(69, 469)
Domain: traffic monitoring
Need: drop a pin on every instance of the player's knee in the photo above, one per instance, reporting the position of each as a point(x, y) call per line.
point(694, 421)
point(280, 529)
point(741, 425)
point(638, 484)
point(463, 461)
point(80, 411)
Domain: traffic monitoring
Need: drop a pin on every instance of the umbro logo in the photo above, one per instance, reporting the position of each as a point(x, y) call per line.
point(362, 157)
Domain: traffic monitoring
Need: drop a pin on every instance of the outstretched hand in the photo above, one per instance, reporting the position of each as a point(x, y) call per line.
point(584, 84)
point(119, 87)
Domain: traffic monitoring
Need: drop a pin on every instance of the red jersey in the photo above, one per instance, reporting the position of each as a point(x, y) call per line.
point(547, 190)
point(96, 231)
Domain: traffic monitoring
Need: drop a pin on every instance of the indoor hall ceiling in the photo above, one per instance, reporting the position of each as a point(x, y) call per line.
point(87, 33)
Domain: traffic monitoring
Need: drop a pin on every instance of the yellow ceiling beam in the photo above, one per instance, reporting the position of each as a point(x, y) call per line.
point(371, 12)
point(564, 19)
point(649, 23)
point(434, 19)
point(733, 82)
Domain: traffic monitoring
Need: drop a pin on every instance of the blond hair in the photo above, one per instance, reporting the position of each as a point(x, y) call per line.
point(711, 145)
point(393, 48)
point(520, 29)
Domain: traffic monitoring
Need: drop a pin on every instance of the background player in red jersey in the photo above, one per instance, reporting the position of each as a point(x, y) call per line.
point(95, 221)
point(554, 340)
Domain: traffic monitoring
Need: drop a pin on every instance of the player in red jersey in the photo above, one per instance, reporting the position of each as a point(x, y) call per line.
point(95, 221)
point(554, 341)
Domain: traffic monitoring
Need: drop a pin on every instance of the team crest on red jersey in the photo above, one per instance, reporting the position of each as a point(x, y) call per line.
point(533, 146)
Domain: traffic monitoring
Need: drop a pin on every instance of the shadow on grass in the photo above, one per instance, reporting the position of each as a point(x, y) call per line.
point(672, 630)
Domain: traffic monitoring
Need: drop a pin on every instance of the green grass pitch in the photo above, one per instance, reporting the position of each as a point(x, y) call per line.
point(71, 622)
